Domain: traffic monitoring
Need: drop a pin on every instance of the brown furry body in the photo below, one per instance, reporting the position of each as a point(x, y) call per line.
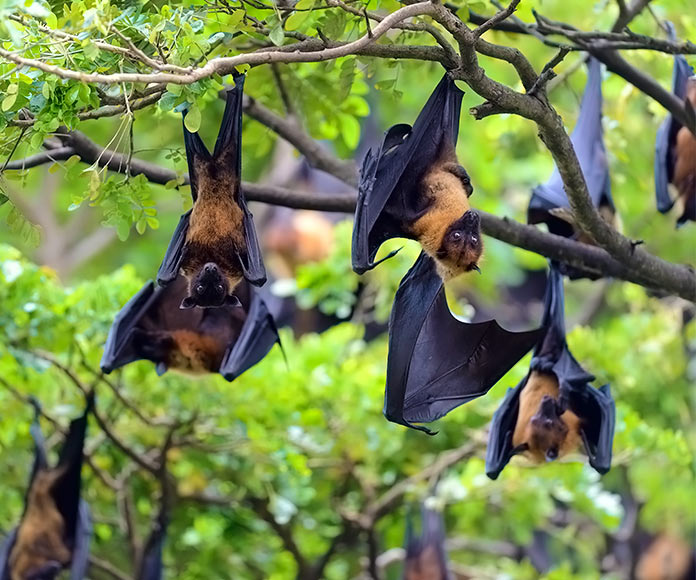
point(40, 535)
point(195, 352)
point(685, 162)
point(216, 232)
point(667, 558)
point(426, 566)
point(448, 201)
point(539, 440)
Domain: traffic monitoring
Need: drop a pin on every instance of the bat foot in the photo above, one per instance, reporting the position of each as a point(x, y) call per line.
point(634, 244)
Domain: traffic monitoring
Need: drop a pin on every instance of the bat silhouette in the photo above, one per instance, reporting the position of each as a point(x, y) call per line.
point(214, 245)
point(436, 362)
point(675, 147)
point(549, 202)
point(554, 409)
point(426, 557)
point(413, 187)
point(54, 532)
point(226, 340)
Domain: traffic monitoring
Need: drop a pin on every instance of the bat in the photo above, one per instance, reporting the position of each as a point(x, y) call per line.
point(426, 558)
point(54, 532)
point(549, 202)
point(413, 187)
point(226, 340)
point(675, 147)
point(666, 558)
point(554, 409)
point(214, 245)
point(436, 362)
point(151, 562)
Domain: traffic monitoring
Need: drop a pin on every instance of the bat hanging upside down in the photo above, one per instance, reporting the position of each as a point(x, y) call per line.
point(413, 187)
point(214, 247)
point(546, 430)
point(685, 162)
point(39, 551)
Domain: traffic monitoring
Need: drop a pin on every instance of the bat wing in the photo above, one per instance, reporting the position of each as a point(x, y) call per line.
point(80, 551)
point(597, 409)
point(500, 448)
point(151, 566)
point(437, 362)
point(426, 556)
point(257, 337)
point(588, 142)
point(5, 549)
point(667, 133)
point(389, 192)
point(119, 349)
point(169, 269)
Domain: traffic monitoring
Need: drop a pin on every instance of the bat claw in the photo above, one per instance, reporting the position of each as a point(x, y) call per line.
point(475, 267)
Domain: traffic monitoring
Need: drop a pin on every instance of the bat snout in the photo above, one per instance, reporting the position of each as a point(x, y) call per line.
point(210, 268)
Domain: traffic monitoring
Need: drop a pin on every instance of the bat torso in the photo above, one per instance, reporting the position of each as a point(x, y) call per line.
point(540, 384)
point(40, 535)
point(667, 558)
point(425, 566)
point(195, 352)
point(685, 165)
point(216, 232)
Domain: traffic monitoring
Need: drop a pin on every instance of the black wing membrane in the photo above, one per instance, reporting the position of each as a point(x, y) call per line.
point(389, 193)
point(151, 567)
point(589, 147)
point(667, 133)
point(66, 493)
point(595, 407)
point(250, 331)
point(437, 362)
point(426, 551)
point(228, 154)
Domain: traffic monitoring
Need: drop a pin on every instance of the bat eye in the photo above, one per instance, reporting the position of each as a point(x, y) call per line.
point(551, 454)
point(200, 289)
point(219, 288)
point(456, 236)
point(474, 239)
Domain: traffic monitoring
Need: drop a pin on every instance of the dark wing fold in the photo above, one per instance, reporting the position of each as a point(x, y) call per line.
point(588, 142)
point(257, 337)
point(119, 349)
point(599, 411)
point(151, 567)
point(667, 133)
point(80, 551)
point(169, 269)
point(437, 362)
point(5, 549)
point(388, 193)
point(500, 448)
point(426, 555)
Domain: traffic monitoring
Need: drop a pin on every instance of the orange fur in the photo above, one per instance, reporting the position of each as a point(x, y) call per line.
point(195, 353)
point(538, 385)
point(426, 566)
point(667, 558)
point(40, 534)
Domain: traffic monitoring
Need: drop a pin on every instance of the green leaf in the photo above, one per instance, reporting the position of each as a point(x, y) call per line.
point(277, 35)
point(8, 102)
point(192, 120)
point(3, 199)
point(12, 89)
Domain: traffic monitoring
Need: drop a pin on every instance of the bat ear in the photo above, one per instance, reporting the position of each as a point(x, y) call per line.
point(233, 301)
point(188, 302)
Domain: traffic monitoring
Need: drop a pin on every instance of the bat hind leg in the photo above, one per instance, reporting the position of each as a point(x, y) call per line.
point(460, 173)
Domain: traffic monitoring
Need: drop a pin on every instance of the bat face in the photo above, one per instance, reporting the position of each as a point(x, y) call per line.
point(548, 431)
point(462, 246)
point(209, 288)
point(39, 552)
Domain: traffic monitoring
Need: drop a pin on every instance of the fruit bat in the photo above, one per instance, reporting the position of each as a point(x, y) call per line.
point(426, 558)
point(554, 408)
point(54, 532)
point(228, 339)
point(436, 362)
point(675, 147)
point(549, 202)
point(214, 245)
point(413, 187)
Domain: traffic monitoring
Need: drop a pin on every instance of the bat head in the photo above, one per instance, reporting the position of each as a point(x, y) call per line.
point(548, 430)
point(462, 246)
point(209, 288)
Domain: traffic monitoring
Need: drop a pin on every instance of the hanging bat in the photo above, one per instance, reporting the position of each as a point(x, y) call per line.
point(436, 362)
point(675, 147)
point(54, 532)
point(226, 340)
point(426, 558)
point(413, 187)
point(549, 202)
point(214, 245)
point(554, 409)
